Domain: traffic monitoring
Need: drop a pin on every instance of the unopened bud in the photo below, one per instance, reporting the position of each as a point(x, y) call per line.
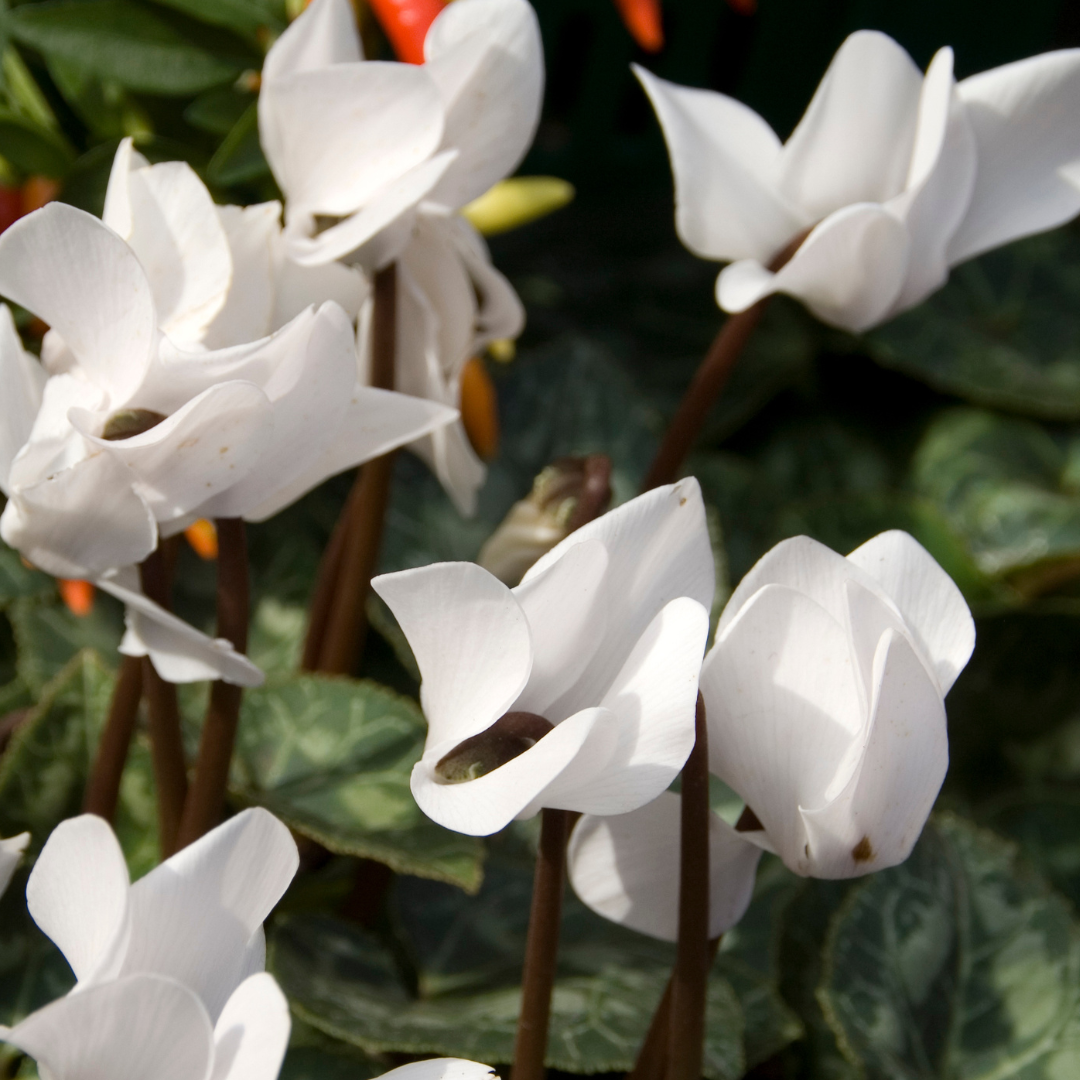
point(509, 737)
point(566, 495)
point(127, 423)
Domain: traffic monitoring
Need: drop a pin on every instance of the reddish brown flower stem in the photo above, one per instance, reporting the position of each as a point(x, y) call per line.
point(103, 787)
point(338, 621)
point(206, 799)
point(541, 949)
point(709, 380)
point(166, 742)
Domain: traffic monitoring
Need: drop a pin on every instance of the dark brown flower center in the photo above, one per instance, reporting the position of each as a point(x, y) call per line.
point(510, 736)
point(128, 423)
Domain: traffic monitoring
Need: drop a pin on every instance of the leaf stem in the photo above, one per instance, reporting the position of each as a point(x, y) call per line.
point(541, 949)
point(686, 1026)
point(361, 525)
point(202, 810)
point(103, 788)
point(709, 380)
point(166, 742)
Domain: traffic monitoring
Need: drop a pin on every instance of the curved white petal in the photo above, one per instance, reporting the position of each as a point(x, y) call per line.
point(874, 822)
point(82, 521)
point(486, 58)
point(252, 1033)
point(208, 446)
point(179, 653)
point(78, 894)
point(298, 287)
point(784, 712)
point(471, 641)
point(117, 210)
point(125, 1030)
point(658, 550)
point(552, 772)
point(1026, 120)
point(653, 699)
point(11, 853)
point(23, 380)
point(347, 131)
point(854, 143)
point(375, 422)
point(450, 455)
point(933, 608)
point(323, 34)
point(441, 1069)
point(193, 916)
point(626, 868)
point(500, 313)
point(75, 273)
point(724, 158)
point(940, 182)
point(568, 621)
point(309, 394)
point(849, 271)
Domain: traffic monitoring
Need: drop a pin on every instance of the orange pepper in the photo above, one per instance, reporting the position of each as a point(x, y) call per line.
point(78, 595)
point(642, 19)
point(202, 536)
point(37, 191)
point(479, 409)
point(405, 23)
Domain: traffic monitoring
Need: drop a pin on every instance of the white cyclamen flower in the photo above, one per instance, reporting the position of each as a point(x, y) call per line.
point(135, 438)
point(897, 176)
point(576, 689)
point(824, 696)
point(626, 868)
point(197, 918)
point(148, 1026)
point(357, 145)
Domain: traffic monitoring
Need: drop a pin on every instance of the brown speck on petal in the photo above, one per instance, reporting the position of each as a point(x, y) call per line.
point(862, 851)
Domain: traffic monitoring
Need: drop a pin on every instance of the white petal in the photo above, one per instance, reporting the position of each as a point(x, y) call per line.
point(933, 607)
point(375, 422)
point(471, 641)
point(441, 1069)
point(210, 445)
point(252, 1033)
point(855, 140)
point(658, 549)
point(724, 158)
point(349, 130)
point(178, 238)
point(300, 286)
point(501, 313)
point(81, 521)
point(653, 698)
point(193, 916)
point(486, 58)
point(179, 653)
point(553, 772)
point(78, 895)
point(117, 210)
point(309, 393)
point(125, 1030)
point(940, 182)
point(75, 273)
point(849, 271)
point(23, 380)
point(784, 712)
point(567, 619)
point(11, 853)
point(626, 868)
point(1026, 120)
point(450, 455)
point(874, 822)
point(247, 314)
point(323, 34)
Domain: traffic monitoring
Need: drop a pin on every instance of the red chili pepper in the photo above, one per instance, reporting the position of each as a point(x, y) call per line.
point(10, 206)
point(642, 19)
point(78, 595)
point(405, 23)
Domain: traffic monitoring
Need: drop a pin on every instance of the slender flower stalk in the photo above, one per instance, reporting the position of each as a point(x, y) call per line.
point(709, 381)
point(541, 949)
point(202, 810)
point(686, 1026)
point(166, 741)
point(338, 619)
point(103, 789)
